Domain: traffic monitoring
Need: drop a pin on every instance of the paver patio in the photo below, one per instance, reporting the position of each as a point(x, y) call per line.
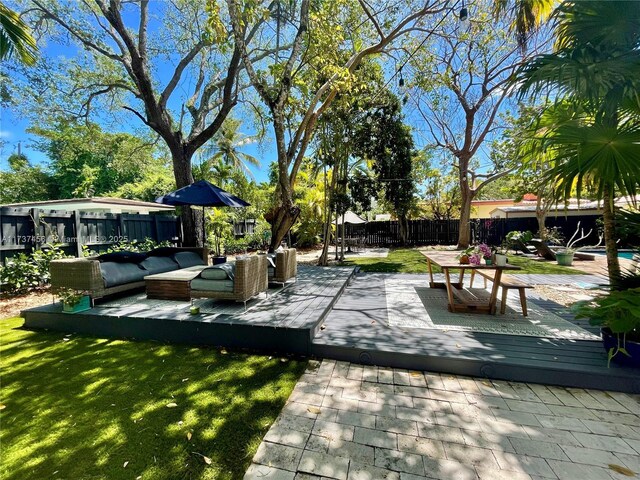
point(364, 422)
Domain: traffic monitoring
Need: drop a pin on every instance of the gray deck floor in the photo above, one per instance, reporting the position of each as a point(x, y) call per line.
point(357, 330)
point(285, 321)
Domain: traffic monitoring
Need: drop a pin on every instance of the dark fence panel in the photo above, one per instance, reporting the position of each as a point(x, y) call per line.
point(487, 230)
point(24, 230)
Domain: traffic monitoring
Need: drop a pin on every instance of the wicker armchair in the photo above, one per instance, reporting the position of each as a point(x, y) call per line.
point(286, 266)
point(250, 279)
point(84, 274)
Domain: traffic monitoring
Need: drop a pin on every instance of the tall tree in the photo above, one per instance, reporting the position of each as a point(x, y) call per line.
point(595, 123)
point(226, 146)
point(124, 57)
point(388, 143)
point(16, 38)
point(462, 84)
point(319, 34)
point(86, 161)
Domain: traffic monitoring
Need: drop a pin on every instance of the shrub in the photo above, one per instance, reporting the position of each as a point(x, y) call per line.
point(143, 246)
point(24, 273)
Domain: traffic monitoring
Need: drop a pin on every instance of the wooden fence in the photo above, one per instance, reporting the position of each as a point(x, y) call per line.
point(445, 232)
point(24, 230)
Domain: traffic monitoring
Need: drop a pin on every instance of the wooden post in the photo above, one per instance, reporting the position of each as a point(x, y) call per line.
point(156, 228)
point(35, 240)
point(78, 230)
point(121, 225)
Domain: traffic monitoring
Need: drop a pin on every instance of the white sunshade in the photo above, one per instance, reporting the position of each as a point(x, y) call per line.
point(350, 217)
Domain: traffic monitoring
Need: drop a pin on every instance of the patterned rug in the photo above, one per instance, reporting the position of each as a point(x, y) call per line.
point(412, 304)
point(207, 306)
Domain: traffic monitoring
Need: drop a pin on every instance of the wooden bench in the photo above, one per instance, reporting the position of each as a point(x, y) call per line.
point(506, 282)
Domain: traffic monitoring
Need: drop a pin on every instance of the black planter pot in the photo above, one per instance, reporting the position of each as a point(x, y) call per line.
point(218, 259)
point(610, 340)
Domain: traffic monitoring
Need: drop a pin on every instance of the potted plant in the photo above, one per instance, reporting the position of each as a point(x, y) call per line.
point(485, 252)
point(564, 255)
point(74, 301)
point(465, 255)
point(618, 316)
point(219, 227)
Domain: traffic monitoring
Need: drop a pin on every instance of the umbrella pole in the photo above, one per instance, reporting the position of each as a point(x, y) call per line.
point(203, 229)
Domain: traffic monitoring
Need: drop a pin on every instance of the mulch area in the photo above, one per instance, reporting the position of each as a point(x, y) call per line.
point(11, 307)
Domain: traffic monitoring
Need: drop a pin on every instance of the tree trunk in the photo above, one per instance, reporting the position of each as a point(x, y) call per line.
point(192, 221)
point(403, 225)
point(608, 217)
point(464, 234)
point(283, 219)
point(542, 229)
point(324, 256)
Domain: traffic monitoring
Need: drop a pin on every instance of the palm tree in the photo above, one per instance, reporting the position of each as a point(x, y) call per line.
point(225, 148)
point(594, 73)
point(15, 37)
point(527, 16)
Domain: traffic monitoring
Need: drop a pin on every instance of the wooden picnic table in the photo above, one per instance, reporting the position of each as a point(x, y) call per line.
point(448, 261)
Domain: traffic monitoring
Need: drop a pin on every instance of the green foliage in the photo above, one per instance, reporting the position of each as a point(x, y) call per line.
point(95, 406)
point(24, 273)
point(69, 296)
point(143, 246)
point(387, 142)
point(595, 123)
point(85, 161)
point(618, 310)
point(15, 38)
point(236, 245)
point(24, 182)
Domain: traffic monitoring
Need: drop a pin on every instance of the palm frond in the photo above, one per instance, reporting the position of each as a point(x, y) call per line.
point(15, 37)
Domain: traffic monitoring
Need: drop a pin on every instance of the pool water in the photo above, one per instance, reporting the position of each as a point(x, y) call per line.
point(627, 255)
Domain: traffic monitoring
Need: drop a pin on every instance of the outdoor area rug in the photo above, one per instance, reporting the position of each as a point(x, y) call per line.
point(207, 306)
point(412, 304)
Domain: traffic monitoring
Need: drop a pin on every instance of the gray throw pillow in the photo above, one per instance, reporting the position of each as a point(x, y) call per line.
point(224, 271)
point(188, 259)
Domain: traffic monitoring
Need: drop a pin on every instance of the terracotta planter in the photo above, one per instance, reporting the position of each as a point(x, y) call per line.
point(464, 259)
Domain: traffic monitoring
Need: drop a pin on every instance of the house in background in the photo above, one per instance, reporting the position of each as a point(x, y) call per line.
point(483, 208)
point(96, 205)
point(572, 208)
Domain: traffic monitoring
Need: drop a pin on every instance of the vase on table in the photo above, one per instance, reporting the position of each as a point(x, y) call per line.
point(488, 260)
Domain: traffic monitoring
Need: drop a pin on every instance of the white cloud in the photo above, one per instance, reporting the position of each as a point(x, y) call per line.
point(5, 134)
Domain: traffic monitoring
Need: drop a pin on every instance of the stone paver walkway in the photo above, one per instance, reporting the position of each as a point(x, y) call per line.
point(360, 422)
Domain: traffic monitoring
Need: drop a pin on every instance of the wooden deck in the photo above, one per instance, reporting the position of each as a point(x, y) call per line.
point(357, 330)
point(352, 311)
point(285, 322)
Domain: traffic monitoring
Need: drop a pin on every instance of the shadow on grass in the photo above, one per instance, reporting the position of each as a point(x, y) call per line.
point(82, 407)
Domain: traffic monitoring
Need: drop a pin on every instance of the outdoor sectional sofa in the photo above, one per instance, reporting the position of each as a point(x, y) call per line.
point(239, 282)
point(121, 271)
point(283, 266)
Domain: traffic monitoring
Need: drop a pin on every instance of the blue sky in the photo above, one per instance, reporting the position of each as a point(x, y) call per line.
point(13, 129)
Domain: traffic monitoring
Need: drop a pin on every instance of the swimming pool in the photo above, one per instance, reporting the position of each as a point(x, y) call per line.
point(628, 254)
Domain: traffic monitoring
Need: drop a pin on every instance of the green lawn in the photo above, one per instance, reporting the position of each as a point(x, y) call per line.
point(400, 260)
point(80, 407)
point(409, 260)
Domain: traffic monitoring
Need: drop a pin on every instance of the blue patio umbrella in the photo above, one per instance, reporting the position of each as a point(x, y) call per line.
point(204, 194)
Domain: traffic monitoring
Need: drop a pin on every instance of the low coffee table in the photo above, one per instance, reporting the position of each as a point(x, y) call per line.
point(173, 285)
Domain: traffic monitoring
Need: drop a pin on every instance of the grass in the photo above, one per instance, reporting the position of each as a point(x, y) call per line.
point(400, 260)
point(82, 407)
point(409, 260)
